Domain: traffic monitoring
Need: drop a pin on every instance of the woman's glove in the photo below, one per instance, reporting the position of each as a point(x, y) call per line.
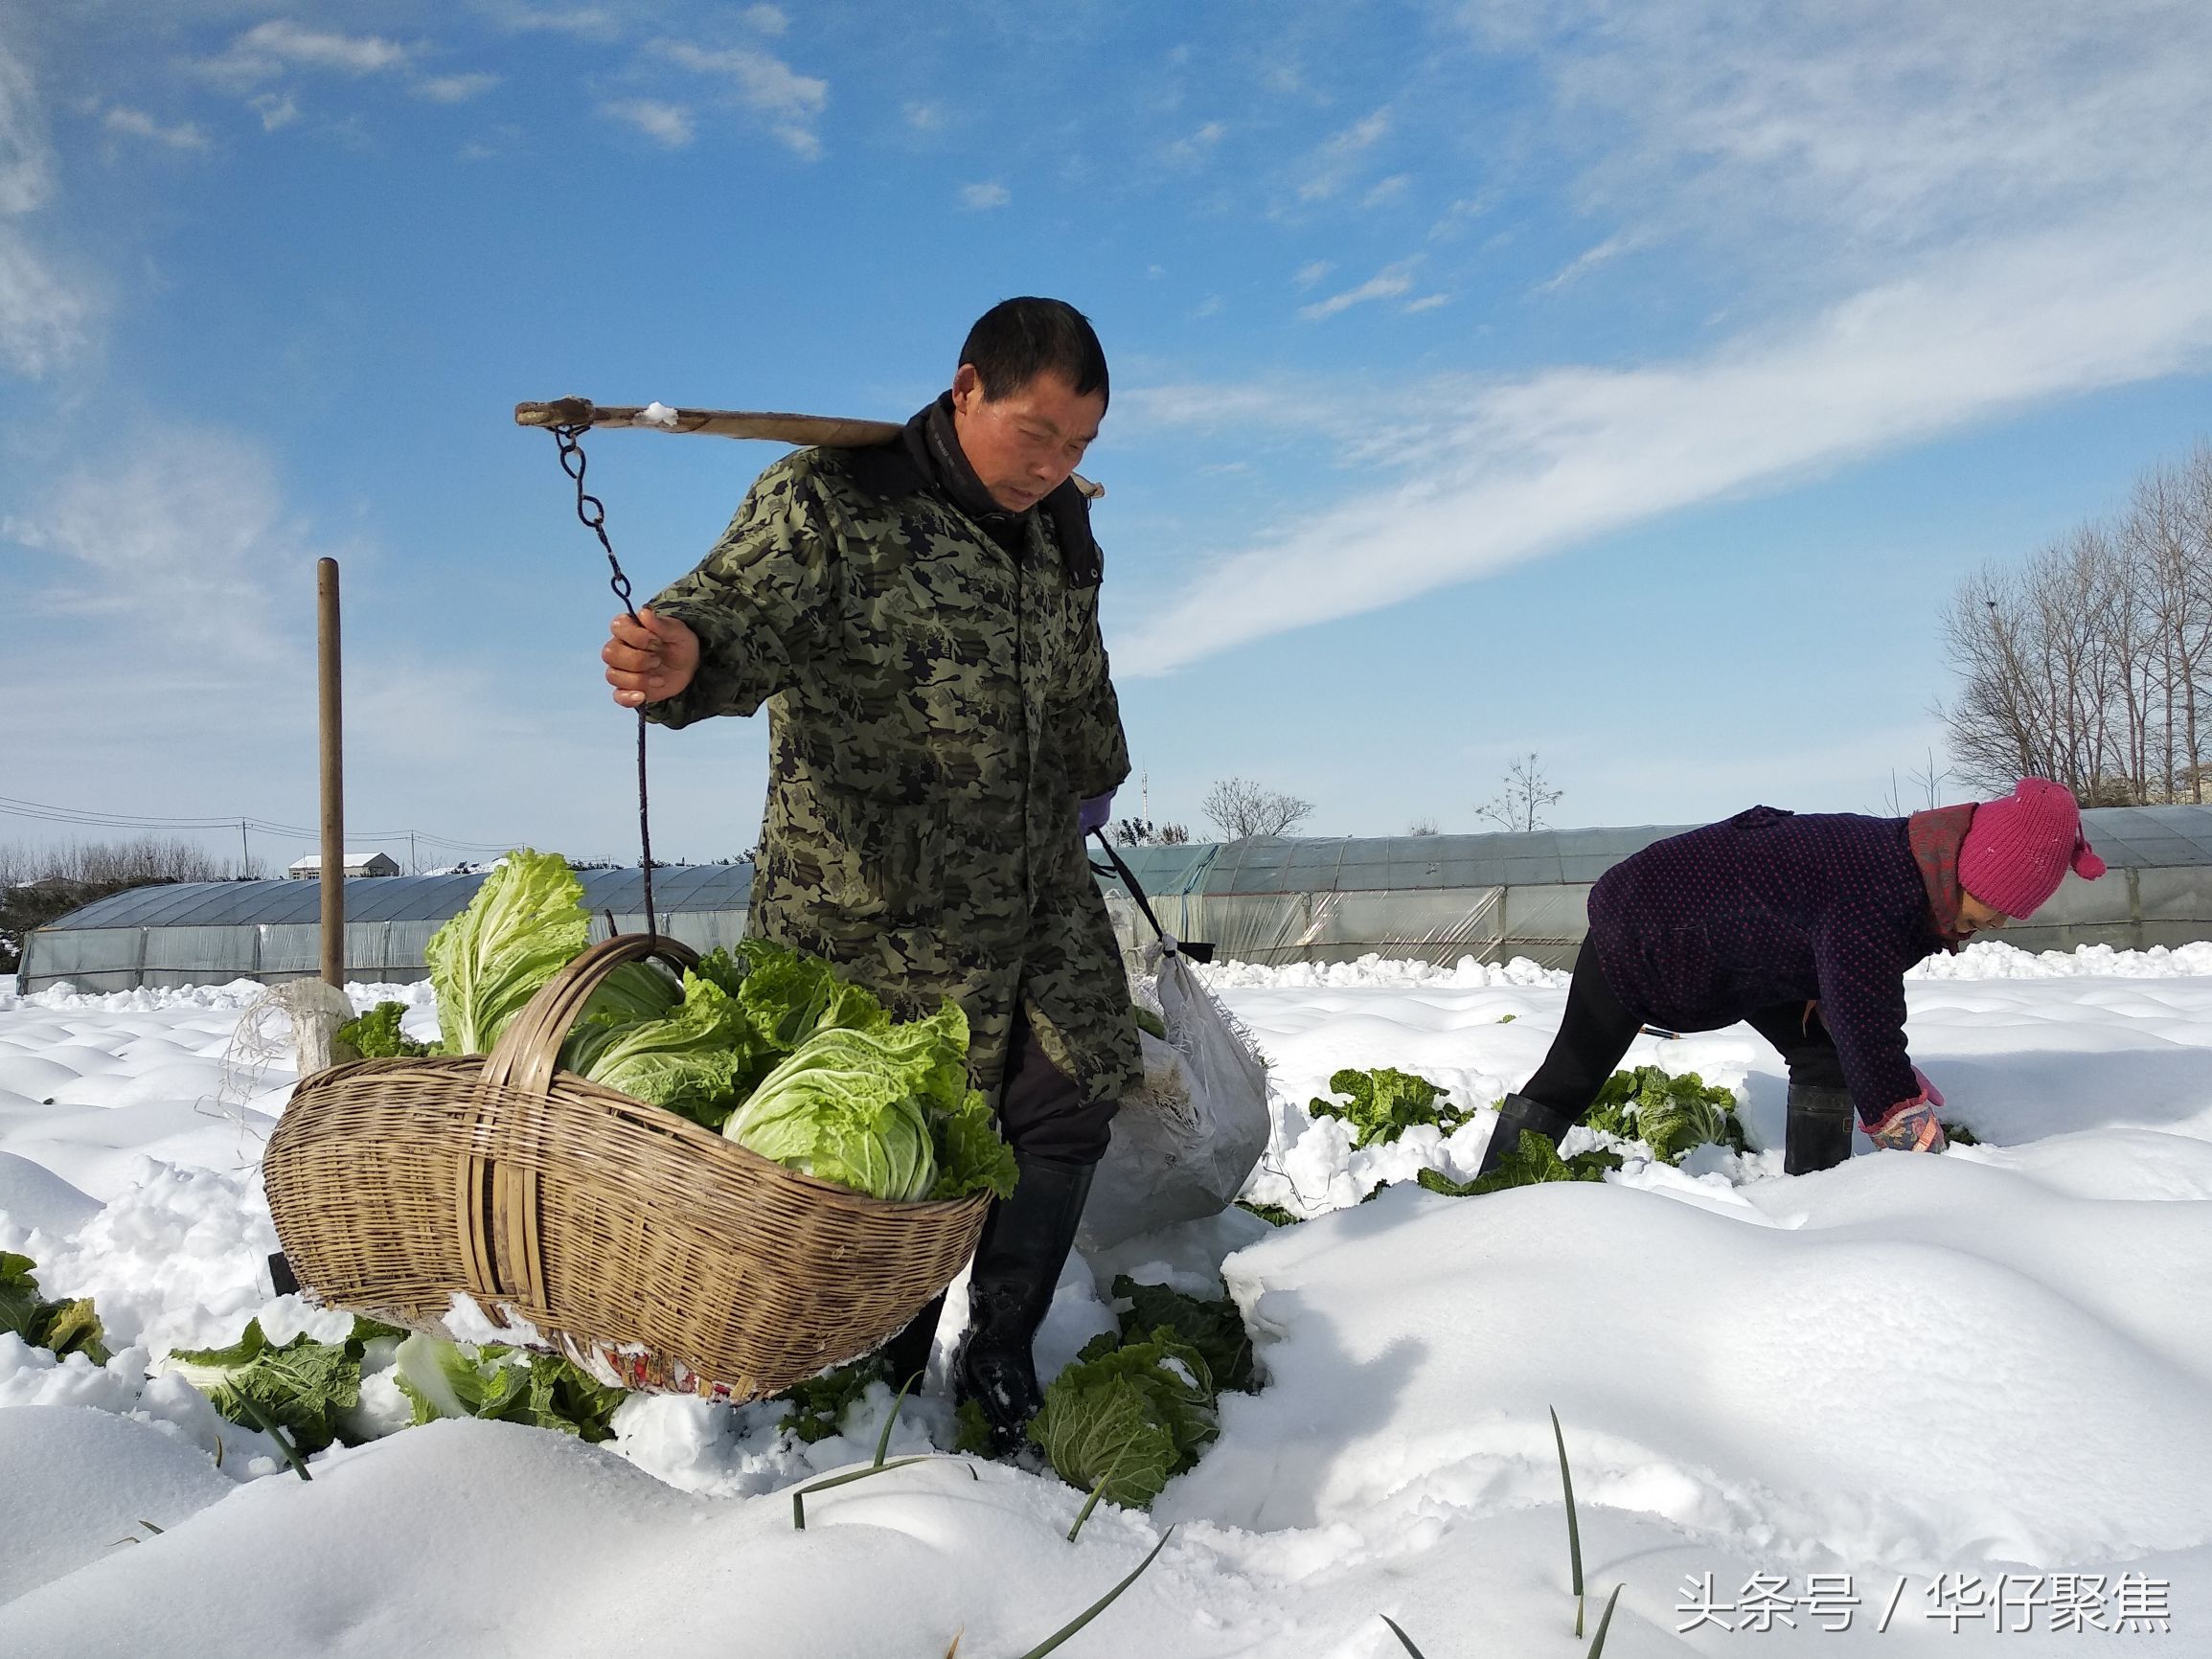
point(1910, 1127)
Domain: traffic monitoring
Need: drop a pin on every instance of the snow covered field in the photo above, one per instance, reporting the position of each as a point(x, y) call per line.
point(1924, 1383)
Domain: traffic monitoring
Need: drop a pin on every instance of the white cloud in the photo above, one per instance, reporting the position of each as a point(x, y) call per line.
point(269, 49)
point(766, 19)
point(924, 116)
point(1589, 260)
point(277, 110)
point(1198, 147)
point(765, 84)
point(1384, 192)
point(669, 125)
point(1308, 275)
point(454, 88)
point(176, 543)
point(25, 156)
point(1938, 215)
point(1505, 472)
point(1386, 283)
point(140, 124)
point(1426, 303)
point(586, 22)
point(1334, 162)
point(982, 197)
point(46, 317)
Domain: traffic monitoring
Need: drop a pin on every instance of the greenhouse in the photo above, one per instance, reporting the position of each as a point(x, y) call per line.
point(210, 932)
point(1270, 899)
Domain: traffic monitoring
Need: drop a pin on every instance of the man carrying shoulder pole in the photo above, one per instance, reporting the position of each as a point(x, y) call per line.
point(920, 619)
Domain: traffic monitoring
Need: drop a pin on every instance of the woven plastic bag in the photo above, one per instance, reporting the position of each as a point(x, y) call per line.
point(1185, 1143)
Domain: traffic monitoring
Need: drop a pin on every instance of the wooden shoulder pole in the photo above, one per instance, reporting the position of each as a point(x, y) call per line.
point(334, 860)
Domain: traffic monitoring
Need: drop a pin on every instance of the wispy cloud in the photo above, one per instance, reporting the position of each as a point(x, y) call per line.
point(982, 197)
point(924, 116)
point(136, 122)
point(174, 544)
point(1590, 258)
point(270, 49)
point(45, 317)
point(766, 19)
point(584, 22)
point(791, 103)
point(1197, 147)
point(454, 88)
point(1386, 283)
point(1338, 161)
point(277, 109)
point(668, 124)
point(1508, 472)
point(1307, 275)
point(1939, 215)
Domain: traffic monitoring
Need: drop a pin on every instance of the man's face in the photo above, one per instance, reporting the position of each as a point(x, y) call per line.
point(1024, 445)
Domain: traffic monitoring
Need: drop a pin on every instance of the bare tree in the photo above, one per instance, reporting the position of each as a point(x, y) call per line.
point(1519, 806)
point(1240, 808)
point(1422, 826)
point(1925, 785)
point(2090, 664)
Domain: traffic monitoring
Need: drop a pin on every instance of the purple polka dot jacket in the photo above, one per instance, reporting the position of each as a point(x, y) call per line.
point(1771, 907)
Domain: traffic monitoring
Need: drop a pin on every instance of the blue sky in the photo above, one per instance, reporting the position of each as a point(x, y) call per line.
point(1629, 382)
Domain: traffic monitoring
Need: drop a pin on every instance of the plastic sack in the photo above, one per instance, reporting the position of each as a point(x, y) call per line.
point(1185, 1143)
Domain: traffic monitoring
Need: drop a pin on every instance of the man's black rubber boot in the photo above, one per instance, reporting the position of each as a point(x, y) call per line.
point(906, 1356)
point(1817, 1132)
point(1025, 1243)
point(1517, 1114)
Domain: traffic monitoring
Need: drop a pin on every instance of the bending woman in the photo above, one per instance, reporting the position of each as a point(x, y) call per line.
point(1802, 926)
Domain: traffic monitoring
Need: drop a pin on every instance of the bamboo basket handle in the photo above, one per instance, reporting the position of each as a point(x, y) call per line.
point(497, 1213)
point(529, 1050)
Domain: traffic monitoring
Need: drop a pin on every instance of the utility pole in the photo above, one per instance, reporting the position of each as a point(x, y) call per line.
point(245, 854)
point(333, 872)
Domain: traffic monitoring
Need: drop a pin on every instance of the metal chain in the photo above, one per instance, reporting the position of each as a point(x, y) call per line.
point(593, 512)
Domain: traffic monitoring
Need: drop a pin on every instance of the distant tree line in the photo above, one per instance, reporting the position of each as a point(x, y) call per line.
point(39, 883)
point(2091, 664)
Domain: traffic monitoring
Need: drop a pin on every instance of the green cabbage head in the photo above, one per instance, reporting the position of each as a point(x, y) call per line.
point(856, 1107)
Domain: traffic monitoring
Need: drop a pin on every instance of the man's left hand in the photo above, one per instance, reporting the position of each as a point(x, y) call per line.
point(1093, 813)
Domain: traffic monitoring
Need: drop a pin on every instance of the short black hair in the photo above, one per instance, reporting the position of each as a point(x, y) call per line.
point(1018, 340)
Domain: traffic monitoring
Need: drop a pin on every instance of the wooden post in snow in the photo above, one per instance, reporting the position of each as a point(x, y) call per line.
point(332, 871)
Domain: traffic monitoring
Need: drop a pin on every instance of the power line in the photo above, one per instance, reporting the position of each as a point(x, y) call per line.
point(89, 819)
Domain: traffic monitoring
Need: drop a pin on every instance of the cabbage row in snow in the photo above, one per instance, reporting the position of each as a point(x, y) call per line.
point(765, 1045)
point(312, 1390)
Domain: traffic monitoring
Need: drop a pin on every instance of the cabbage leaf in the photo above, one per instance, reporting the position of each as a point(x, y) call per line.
point(455, 1379)
point(525, 924)
point(856, 1107)
point(303, 1386)
point(1384, 1104)
point(687, 1059)
point(1126, 1417)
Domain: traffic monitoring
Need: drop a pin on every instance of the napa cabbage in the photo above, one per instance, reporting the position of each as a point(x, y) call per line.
point(869, 1110)
point(525, 924)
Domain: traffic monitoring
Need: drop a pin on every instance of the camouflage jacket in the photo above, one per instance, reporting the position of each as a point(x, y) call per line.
point(937, 706)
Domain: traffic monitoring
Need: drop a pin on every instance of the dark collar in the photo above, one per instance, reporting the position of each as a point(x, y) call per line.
point(927, 457)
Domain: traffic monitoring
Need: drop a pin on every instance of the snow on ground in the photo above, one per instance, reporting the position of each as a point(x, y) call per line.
point(1917, 1381)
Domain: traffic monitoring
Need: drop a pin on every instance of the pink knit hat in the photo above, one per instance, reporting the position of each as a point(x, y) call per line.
point(2017, 849)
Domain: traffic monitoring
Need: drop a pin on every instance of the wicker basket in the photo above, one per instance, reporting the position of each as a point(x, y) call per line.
point(628, 1236)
